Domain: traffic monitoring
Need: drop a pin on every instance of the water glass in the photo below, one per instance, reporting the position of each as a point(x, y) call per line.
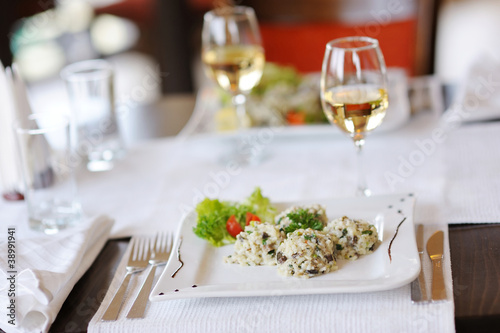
point(90, 86)
point(47, 162)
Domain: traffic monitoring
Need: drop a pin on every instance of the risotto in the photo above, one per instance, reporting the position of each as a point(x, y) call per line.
point(302, 243)
point(284, 220)
point(353, 238)
point(256, 245)
point(306, 253)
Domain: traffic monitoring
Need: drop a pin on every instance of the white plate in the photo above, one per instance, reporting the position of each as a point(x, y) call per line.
point(204, 273)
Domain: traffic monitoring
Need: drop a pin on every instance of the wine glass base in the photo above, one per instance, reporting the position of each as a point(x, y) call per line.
point(242, 160)
point(363, 192)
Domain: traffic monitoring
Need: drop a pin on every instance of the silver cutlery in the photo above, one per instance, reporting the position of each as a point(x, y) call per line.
point(159, 256)
point(435, 251)
point(137, 262)
point(418, 288)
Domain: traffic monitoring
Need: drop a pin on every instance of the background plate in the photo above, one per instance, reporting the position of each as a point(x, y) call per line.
point(202, 121)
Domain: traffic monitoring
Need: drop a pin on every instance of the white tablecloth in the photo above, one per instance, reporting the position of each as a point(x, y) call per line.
point(455, 179)
point(442, 164)
point(452, 175)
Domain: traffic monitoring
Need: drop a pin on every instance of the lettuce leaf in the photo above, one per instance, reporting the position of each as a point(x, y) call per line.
point(213, 215)
point(261, 205)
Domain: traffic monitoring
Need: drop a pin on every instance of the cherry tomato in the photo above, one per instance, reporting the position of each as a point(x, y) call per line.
point(251, 217)
point(233, 227)
point(295, 117)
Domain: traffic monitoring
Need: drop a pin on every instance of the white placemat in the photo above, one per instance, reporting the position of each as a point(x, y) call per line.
point(389, 311)
point(472, 179)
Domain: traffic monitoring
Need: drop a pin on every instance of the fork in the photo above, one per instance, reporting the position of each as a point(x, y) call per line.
point(137, 262)
point(159, 256)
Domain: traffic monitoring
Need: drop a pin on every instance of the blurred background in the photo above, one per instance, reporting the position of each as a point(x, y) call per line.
point(155, 44)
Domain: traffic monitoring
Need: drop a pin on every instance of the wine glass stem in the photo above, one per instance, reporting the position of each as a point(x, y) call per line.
point(239, 102)
point(362, 190)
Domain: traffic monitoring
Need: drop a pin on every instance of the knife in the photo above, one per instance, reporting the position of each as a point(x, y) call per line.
point(435, 251)
point(418, 288)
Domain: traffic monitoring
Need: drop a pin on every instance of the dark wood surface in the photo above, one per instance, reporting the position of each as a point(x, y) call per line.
point(475, 260)
point(475, 266)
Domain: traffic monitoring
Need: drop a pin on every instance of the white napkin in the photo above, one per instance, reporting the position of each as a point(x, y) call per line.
point(15, 105)
point(478, 96)
point(47, 267)
point(9, 172)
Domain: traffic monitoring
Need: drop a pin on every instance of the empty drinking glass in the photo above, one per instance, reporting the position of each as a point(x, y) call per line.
point(90, 87)
point(47, 161)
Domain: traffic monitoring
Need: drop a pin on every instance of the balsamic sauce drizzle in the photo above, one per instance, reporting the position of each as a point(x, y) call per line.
point(393, 237)
point(179, 258)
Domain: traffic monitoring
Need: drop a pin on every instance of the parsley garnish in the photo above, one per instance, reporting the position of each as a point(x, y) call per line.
point(302, 219)
point(367, 232)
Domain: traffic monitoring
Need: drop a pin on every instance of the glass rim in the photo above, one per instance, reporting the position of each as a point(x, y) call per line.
point(86, 70)
point(237, 11)
point(372, 43)
point(21, 127)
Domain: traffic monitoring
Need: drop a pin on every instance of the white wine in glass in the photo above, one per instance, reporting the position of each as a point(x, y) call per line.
point(236, 69)
point(354, 91)
point(232, 53)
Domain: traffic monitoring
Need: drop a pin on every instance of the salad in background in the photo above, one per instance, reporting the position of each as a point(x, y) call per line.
point(283, 97)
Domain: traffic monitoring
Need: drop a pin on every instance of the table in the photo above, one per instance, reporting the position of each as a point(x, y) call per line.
point(476, 292)
point(475, 253)
point(475, 249)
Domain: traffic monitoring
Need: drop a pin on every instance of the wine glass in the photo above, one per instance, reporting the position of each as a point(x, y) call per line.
point(232, 53)
point(354, 91)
